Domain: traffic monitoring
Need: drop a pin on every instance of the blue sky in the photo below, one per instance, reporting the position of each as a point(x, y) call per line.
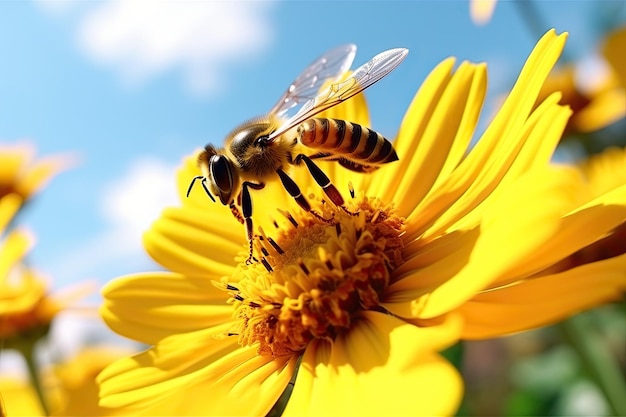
point(132, 89)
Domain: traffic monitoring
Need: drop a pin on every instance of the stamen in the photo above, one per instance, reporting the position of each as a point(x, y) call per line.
point(230, 287)
point(289, 217)
point(238, 297)
point(265, 252)
point(303, 267)
point(254, 305)
point(338, 229)
point(275, 246)
point(329, 264)
point(351, 188)
point(267, 265)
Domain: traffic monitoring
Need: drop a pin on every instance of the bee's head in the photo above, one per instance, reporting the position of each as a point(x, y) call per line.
point(222, 176)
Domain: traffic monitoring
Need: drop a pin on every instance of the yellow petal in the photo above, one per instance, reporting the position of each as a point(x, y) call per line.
point(12, 251)
point(535, 203)
point(170, 304)
point(373, 370)
point(412, 129)
point(185, 240)
point(202, 379)
point(432, 266)
point(250, 387)
point(510, 138)
point(19, 398)
point(43, 171)
point(445, 137)
point(166, 368)
point(543, 300)
point(606, 108)
point(540, 135)
point(605, 214)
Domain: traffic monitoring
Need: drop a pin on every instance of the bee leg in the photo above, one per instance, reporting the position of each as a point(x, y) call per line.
point(236, 213)
point(246, 208)
point(294, 191)
point(323, 181)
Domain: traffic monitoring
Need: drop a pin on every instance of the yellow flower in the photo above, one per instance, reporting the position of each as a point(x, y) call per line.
point(21, 176)
point(358, 306)
point(71, 387)
point(19, 397)
point(26, 307)
point(603, 100)
point(482, 10)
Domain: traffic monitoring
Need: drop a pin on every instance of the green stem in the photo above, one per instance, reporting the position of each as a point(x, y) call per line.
point(598, 362)
point(33, 372)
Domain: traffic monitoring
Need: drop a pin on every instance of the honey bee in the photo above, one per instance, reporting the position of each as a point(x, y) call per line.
point(262, 149)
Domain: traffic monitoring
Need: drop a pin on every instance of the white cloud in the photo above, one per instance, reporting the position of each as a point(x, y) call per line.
point(142, 38)
point(129, 204)
point(135, 200)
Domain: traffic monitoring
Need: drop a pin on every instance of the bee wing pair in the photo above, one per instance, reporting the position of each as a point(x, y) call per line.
point(305, 97)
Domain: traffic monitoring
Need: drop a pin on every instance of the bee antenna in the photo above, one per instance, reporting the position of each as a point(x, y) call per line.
point(203, 182)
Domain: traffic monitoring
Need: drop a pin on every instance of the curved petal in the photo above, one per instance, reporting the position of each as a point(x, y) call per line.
point(375, 370)
point(536, 202)
point(169, 304)
point(12, 250)
point(544, 300)
point(185, 240)
point(165, 369)
point(442, 137)
point(230, 381)
point(431, 268)
point(507, 140)
point(574, 234)
point(40, 173)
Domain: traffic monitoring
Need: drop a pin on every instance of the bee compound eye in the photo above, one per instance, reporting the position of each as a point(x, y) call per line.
point(222, 175)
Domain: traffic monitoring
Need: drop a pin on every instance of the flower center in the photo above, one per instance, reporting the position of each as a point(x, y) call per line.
point(315, 277)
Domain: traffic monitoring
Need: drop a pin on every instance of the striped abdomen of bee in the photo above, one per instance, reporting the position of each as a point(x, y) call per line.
point(355, 147)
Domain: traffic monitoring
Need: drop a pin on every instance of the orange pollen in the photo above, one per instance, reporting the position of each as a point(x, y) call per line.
point(314, 278)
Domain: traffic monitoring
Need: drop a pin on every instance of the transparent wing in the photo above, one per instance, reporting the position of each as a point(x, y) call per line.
point(327, 68)
point(363, 77)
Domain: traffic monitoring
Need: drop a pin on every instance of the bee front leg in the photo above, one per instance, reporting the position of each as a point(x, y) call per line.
point(246, 208)
point(323, 181)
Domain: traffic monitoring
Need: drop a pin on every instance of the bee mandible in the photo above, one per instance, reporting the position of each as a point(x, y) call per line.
point(261, 150)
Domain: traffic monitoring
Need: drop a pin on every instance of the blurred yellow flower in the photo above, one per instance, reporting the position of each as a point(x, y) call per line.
point(71, 385)
point(26, 307)
point(19, 397)
point(21, 175)
point(356, 309)
point(482, 10)
point(601, 99)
